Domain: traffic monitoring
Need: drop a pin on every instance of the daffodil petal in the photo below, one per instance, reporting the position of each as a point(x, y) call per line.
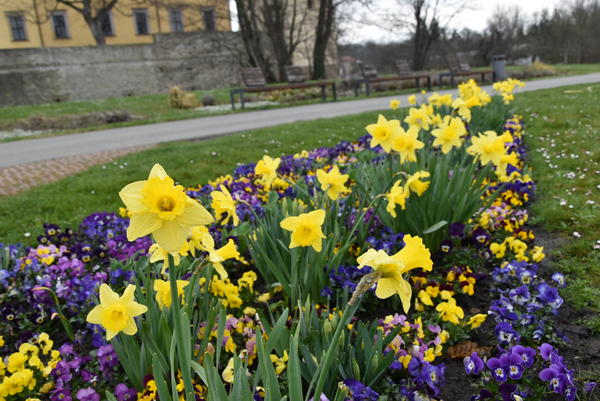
point(158, 171)
point(386, 287)
point(171, 236)
point(195, 214)
point(108, 296)
point(131, 195)
point(95, 315)
point(131, 327)
point(141, 225)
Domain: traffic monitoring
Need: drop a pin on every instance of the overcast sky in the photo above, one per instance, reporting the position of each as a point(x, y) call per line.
point(474, 18)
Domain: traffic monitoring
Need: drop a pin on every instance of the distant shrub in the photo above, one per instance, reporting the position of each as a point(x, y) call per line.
point(208, 100)
point(539, 69)
point(180, 99)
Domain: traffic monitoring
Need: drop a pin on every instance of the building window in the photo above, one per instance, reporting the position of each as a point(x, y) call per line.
point(59, 23)
point(176, 19)
point(141, 21)
point(208, 14)
point(107, 26)
point(17, 27)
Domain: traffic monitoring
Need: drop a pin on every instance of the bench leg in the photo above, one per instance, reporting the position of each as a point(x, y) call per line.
point(242, 100)
point(368, 88)
point(417, 80)
point(451, 80)
point(334, 92)
point(323, 93)
point(232, 97)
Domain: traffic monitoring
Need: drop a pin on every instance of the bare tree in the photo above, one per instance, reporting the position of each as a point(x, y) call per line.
point(424, 21)
point(94, 12)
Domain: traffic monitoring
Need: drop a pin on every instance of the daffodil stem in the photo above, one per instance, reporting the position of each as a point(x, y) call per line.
point(63, 319)
point(348, 313)
point(184, 359)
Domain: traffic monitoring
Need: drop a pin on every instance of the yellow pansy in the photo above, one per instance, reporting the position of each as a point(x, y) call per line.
point(306, 229)
point(449, 311)
point(116, 313)
point(476, 320)
point(161, 208)
point(390, 268)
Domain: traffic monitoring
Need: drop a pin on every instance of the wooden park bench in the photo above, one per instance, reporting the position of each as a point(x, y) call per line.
point(254, 81)
point(460, 68)
point(370, 76)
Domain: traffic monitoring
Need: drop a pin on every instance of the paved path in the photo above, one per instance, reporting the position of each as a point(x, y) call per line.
point(33, 150)
point(28, 163)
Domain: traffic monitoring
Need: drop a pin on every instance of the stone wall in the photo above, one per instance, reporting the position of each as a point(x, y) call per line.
point(203, 60)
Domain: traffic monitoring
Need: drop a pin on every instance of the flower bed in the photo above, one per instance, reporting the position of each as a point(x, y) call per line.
point(350, 272)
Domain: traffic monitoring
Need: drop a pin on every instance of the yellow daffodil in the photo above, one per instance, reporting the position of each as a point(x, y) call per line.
point(488, 146)
point(394, 104)
point(407, 143)
point(449, 311)
point(396, 196)
point(306, 229)
point(412, 99)
point(505, 160)
point(449, 134)
point(464, 107)
point(163, 292)
point(333, 182)
point(267, 170)
point(223, 203)
point(418, 117)
point(216, 256)
point(159, 254)
point(383, 132)
point(476, 320)
point(414, 183)
point(161, 208)
point(389, 269)
point(116, 313)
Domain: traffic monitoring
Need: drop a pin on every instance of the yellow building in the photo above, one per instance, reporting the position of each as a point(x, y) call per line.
point(46, 23)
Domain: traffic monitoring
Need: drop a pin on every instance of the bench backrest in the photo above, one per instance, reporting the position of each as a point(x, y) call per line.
point(295, 74)
point(402, 67)
point(368, 71)
point(253, 76)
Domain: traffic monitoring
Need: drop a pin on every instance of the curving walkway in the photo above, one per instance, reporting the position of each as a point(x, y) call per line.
point(28, 163)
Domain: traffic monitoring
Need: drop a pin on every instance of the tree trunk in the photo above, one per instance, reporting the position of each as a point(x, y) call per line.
point(323, 32)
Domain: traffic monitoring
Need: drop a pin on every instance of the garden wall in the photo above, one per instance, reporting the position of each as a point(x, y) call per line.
point(192, 61)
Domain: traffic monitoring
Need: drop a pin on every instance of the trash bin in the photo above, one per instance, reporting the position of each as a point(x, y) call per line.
point(498, 63)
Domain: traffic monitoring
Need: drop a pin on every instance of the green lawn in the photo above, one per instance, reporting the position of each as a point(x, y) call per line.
point(563, 130)
point(154, 108)
point(66, 201)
